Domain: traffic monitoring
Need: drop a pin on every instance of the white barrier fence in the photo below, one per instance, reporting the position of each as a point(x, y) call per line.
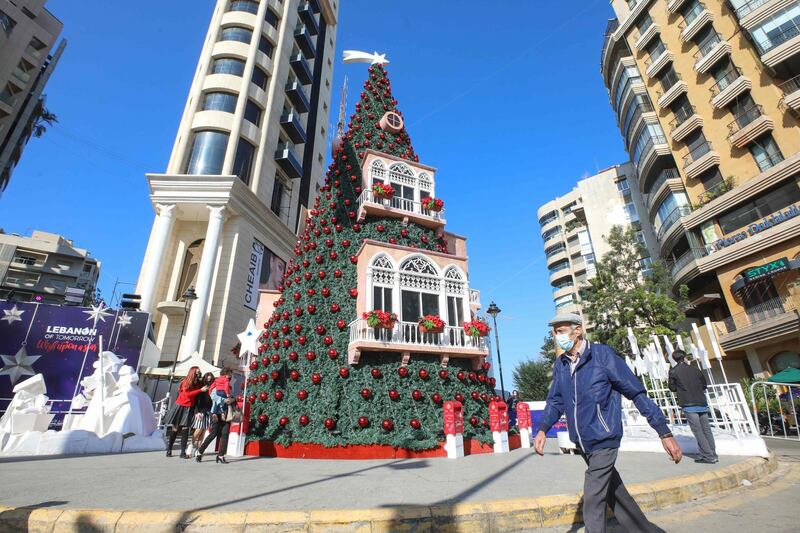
point(777, 423)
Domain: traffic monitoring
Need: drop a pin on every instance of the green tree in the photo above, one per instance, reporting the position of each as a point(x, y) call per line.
point(548, 349)
point(620, 296)
point(532, 379)
point(42, 120)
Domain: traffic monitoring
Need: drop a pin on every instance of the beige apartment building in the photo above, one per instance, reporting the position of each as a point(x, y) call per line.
point(43, 267)
point(707, 95)
point(28, 33)
point(574, 229)
point(247, 158)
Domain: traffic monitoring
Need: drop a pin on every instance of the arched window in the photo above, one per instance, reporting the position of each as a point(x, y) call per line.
point(207, 153)
point(377, 171)
point(425, 185)
point(401, 173)
point(402, 180)
point(420, 287)
point(783, 360)
point(455, 288)
point(191, 262)
point(383, 279)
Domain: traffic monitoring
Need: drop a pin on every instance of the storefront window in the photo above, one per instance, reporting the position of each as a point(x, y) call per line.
point(759, 208)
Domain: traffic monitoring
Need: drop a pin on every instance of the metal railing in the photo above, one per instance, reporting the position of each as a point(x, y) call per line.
point(668, 81)
point(744, 119)
point(666, 174)
point(563, 286)
point(759, 312)
point(706, 48)
point(408, 333)
point(671, 219)
point(691, 16)
point(728, 78)
point(687, 257)
point(779, 425)
point(652, 59)
point(715, 191)
point(561, 248)
point(791, 85)
point(397, 202)
point(696, 153)
point(558, 267)
point(774, 40)
point(747, 8)
point(682, 114)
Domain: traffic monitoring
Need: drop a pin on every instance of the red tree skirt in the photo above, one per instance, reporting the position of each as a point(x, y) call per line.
point(265, 448)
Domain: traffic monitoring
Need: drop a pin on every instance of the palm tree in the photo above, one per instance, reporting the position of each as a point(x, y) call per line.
point(42, 120)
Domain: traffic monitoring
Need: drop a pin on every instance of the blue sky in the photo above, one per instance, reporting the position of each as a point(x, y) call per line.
point(508, 104)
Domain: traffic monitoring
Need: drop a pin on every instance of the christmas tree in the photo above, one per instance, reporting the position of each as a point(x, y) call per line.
point(306, 385)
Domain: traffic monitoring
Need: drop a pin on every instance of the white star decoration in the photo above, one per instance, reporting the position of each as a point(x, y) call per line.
point(98, 312)
point(249, 338)
point(18, 365)
point(124, 320)
point(13, 315)
point(356, 56)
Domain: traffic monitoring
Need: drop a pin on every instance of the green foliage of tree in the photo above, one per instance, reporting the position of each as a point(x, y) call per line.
point(548, 349)
point(42, 120)
point(619, 296)
point(532, 379)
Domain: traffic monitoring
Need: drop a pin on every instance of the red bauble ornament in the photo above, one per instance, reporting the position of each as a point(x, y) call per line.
point(337, 273)
point(251, 398)
point(262, 418)
point(320, 329)
point(294, 375)
point(473, 420)
point(293, 356)
point(387, 424)
point(298, 312)
point(459, 397)
point(310, 355)
point(376, 372)
point(344, 372)
point(357, 227)
point(329, 243)
point(316, 378)
point(298, 328)
point(404, 232)
point(283, 421)
point(302, 394)
point(263, 378)
point(366, 393)
point(481, 378)
point(354, 259)
point(485, 397)
point(275, 375)
point(394, 395)
point(345, 243)
point(443, 374)
point(312, 308)
point(437, 398)
point(473, 376)
point(474, 395)
point(304, 420)
point(335, 308)
point(286, 343)
point(486, 365)
point(328, 340)
point(263, 396)
point(302, 339)
point(416, 394)
point(403, 371)
point(333, 256)
point(311, 292)
point(381, 228)
point(254, 365)
point(341, 324)
point(415, 424)
point(276, 358)
point(333, 353)
point(296, 296)
point(363, 421)
point(423, 374)
point(330, 424)
point(321, 274)
point(461, 376)
point(278, 395)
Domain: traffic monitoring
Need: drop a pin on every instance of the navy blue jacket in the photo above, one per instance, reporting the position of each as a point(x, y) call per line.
point(591, 398)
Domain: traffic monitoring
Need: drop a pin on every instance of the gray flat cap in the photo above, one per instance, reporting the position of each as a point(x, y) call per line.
point(570, 318)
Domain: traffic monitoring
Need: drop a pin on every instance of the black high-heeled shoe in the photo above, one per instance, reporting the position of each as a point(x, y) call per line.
point(221, 459)
point(199, 458)
point(169, 453)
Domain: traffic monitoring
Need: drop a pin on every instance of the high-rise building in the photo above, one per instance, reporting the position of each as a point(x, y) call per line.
point(707, 95)
point(45, 267)
point(574, 228)
point(249, 152)
point(28, 33)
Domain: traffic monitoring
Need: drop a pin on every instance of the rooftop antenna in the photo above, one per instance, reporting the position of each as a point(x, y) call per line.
point(338, 139)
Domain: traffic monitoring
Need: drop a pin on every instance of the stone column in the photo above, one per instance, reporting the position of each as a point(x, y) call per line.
point(755, 362)
point(151, 269)
point(197, 315)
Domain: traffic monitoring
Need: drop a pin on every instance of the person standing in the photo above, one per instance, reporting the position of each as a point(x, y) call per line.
point(220, 426)
point(181, 413)
point(588, 379)
point(202, 413)
point(689, 383)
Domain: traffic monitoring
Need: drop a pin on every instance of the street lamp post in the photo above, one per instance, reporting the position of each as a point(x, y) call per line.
point(494, 311)
point(188, 297)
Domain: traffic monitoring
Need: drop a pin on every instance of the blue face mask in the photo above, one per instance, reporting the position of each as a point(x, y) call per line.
point(564, 342)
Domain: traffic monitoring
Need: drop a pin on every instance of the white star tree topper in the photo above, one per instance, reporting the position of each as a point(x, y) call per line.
point(124, 320)
point(18, 365)
point(249, 338)
point(12, 315)
point(355, 56)
point(98, 312)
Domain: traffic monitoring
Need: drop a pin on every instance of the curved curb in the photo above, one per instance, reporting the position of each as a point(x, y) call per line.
point(491, 516)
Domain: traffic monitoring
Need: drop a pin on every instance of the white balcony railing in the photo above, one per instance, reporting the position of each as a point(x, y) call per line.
point(396, 202)
point(408, 334)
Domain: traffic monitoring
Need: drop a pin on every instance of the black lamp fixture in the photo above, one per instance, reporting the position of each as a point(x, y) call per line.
point(493, 311)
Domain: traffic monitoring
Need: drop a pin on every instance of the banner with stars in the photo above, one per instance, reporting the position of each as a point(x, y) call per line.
point(52, 340)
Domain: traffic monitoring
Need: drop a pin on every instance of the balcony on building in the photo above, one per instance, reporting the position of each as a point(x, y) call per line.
point(286, 158)
point(715, 191)
point(653, 65)
point(791, 93)
point(685, 122)
point(556, 253)
point(729, 87)
point(398, 207)
point(308, 17)
point(700, 159)
point(746, 9)
point(301, 68)
point(655, 148)
point(672, 86)
point(749, 125)
point(710, 54)
point(685, 267)
point(668, 181)
point(779, 48)
point(770, 320)
point(290, 122)
point(674, 5)
point(646, 36)
point(693, 21)
point(670, 224)
point(305, 41)
point(297, 95)
point(559, 272)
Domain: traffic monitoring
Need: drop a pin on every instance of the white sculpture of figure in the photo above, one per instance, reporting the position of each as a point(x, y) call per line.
point(128, 408)
point(29, 399)
point(96, 419)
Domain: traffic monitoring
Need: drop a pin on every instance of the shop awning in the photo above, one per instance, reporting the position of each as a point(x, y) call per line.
point(790, 375)
point(765, 271)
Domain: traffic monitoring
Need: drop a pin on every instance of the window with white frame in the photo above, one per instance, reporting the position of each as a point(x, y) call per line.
point(455, 288)
point(409, 188)
point(383, 278)
point(420, 286)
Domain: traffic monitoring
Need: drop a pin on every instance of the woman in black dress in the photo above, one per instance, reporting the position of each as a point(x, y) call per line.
point(181, 414)
point(202, 413)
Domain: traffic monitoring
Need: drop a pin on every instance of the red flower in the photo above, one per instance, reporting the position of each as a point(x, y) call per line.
point(382, 190)
point(477, 328)
point(380, 318)
point(431, 322)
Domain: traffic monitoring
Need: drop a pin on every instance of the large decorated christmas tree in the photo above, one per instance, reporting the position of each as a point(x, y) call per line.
point(343, 359)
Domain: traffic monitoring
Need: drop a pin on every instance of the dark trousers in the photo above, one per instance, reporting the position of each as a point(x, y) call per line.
point(602, 485)
point(221, 429)
point(701, 429)
point(173, 435)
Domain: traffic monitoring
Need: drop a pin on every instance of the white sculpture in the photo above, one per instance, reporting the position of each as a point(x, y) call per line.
point(28, 409)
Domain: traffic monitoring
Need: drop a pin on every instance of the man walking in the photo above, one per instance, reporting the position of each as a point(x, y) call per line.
point(588, 379)
point(689, 383)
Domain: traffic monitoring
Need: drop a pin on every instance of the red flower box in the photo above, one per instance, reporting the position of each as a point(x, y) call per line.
point(382, 191)
point(432, 204)
point(477, 328)
point(431, 324)
point(380, 319)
